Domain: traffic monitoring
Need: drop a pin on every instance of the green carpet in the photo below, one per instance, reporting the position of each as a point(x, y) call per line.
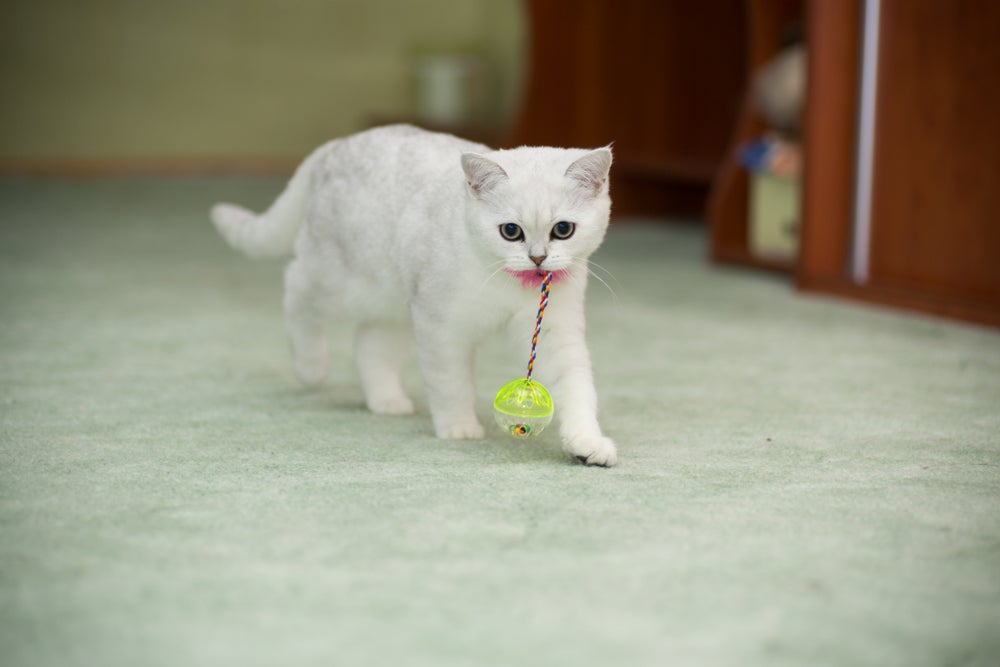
point(803, 481)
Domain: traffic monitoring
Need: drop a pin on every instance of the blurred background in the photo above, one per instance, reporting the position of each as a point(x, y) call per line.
point(850, 145)
point(118, 87)
point(242, 83)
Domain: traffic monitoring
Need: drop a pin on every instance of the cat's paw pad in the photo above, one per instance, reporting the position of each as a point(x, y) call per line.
point(593, 450)
point(391, 405)
point(471, 430)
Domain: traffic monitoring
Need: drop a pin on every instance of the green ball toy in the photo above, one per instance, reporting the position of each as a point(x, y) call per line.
point(523, 408)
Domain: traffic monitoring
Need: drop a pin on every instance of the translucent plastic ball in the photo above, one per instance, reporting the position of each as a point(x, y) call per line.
point(523, 408)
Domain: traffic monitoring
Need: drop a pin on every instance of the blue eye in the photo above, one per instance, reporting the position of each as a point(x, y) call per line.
point(563, 230)
point(511, 232)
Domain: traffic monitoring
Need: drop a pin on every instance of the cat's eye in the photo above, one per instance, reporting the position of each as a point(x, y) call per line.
point(511, 231)
point(563, 230)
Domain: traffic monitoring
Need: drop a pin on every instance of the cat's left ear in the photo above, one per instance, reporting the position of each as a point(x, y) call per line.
point(481, 173)
point(591, 170)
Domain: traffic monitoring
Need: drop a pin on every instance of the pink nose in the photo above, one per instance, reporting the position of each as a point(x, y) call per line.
point(538, 259)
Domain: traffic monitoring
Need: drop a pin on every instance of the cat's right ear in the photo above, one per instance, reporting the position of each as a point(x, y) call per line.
point(482, 174)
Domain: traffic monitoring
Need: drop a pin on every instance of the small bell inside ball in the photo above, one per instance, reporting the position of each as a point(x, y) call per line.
point(523, 408)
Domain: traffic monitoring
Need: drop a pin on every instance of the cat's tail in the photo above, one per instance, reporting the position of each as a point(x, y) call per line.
point(272, 233)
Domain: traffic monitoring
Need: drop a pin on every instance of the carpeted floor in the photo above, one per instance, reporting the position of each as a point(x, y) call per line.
point(802, 481)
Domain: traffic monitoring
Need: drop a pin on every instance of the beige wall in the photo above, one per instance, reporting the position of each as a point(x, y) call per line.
point(225, 78)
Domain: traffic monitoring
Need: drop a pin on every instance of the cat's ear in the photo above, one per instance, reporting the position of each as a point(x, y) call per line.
point(591, 170)
point(482, 174)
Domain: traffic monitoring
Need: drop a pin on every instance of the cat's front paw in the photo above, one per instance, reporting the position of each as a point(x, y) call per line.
point(592, 450)
point(466, 430)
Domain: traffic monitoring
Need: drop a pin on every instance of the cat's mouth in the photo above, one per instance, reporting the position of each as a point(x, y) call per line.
point(535, 277)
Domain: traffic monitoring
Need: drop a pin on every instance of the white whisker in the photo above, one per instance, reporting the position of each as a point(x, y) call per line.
point(610, 275)
point(573, 278)
point(586, 264)
point(605, 283)
point(500, 264)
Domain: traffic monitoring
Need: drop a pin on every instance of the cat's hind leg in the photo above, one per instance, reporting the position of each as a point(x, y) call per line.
point(380, 351)
point(306, 326)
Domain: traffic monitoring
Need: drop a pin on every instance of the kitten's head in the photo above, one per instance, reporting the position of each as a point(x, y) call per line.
point(538, 209)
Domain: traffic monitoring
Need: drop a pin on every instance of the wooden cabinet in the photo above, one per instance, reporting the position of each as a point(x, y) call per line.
point(662, 79)
point(665, 80)
point(933, 238)
point(919, 225)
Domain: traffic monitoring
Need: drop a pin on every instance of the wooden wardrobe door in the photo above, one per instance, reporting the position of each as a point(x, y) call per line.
point(662, 79)
point(936, 188)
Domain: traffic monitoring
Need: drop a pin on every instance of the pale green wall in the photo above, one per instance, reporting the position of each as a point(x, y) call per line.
point(224, 78)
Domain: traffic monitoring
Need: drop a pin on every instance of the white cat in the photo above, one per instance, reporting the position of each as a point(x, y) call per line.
point(389, 232)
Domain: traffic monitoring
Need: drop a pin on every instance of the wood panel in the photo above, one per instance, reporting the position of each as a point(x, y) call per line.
point(936, 191)
point(935, 239)
point(830, 140)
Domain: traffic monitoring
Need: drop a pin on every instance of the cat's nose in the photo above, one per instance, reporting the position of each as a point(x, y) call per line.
point(537, 259)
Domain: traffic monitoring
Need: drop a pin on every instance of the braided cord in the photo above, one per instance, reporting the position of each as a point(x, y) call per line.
point(538, 322)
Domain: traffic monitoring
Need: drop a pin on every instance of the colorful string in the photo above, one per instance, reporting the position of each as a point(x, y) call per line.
point(538, 322)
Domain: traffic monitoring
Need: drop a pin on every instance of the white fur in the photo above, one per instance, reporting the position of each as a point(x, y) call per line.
point(398, 229)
